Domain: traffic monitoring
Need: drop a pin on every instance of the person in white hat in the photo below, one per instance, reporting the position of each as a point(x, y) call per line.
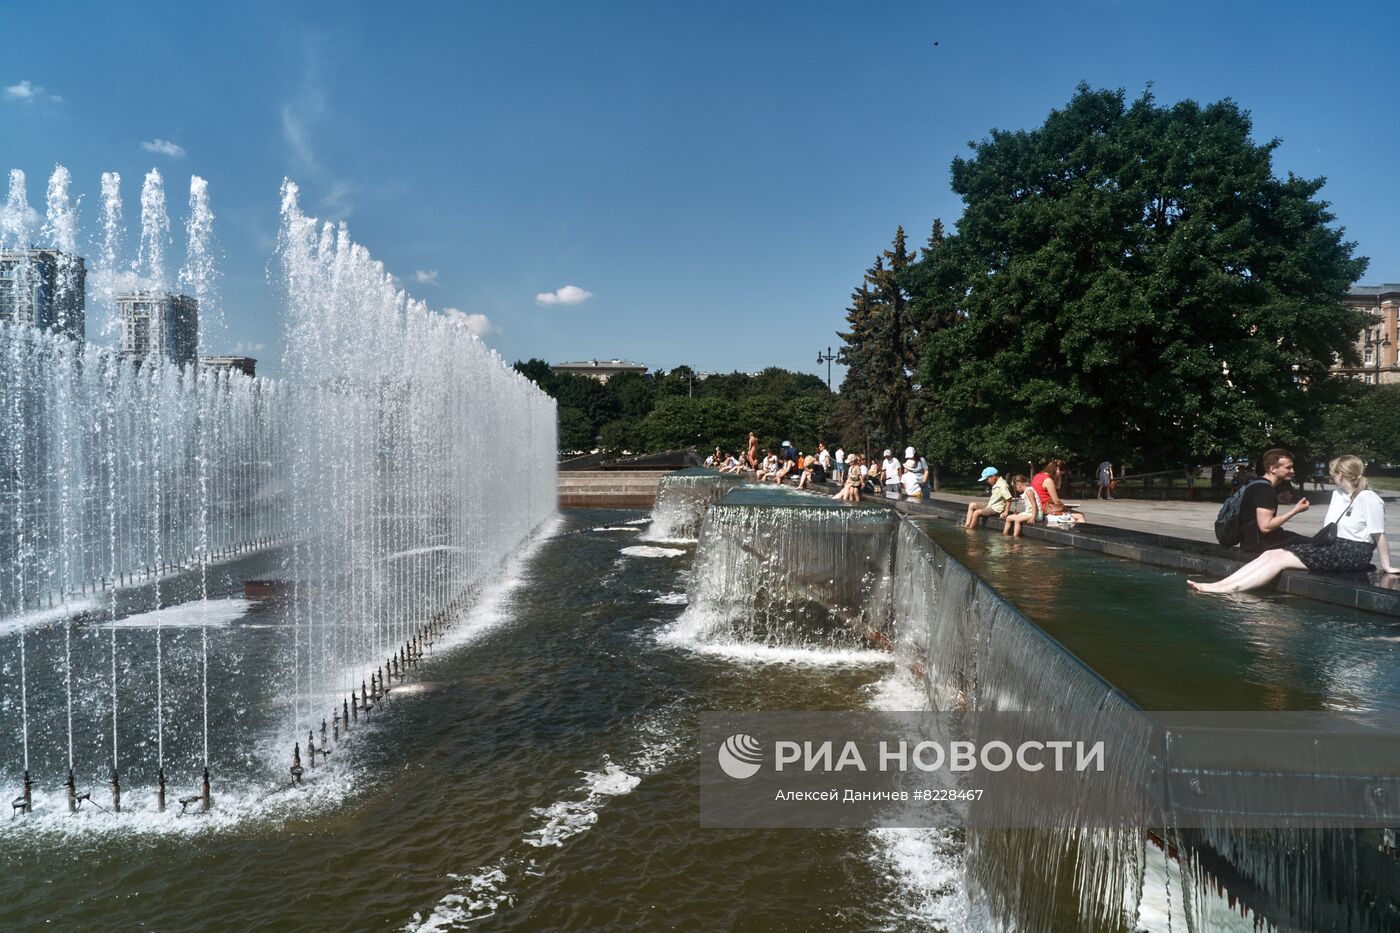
point(920, 467)
point(890, 468)
point(996, 504)
point(910, 481)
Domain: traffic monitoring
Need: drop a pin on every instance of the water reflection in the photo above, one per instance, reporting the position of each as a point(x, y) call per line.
point(1144, 631)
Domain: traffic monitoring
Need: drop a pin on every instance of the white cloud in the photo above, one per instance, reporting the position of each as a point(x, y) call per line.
point(295, 133)
point(164, 147)
point(478, 324)
point(242, 348)
point(337, 201)
point(426, 276)
point(29, 93)
point(568, 295)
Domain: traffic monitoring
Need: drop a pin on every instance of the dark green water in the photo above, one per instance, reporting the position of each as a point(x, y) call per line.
point(541, 777)
point(1170, 648)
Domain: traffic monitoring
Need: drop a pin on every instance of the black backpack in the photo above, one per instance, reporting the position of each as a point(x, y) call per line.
point(1228, 530)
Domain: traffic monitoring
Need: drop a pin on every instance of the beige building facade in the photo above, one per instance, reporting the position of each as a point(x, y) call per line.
point(1377, 344)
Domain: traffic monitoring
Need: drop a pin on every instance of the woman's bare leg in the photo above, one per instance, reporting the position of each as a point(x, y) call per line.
point(1259, 572)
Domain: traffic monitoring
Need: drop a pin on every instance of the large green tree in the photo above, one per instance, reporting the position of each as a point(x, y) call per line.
point(878, 352)
point(1133, 282)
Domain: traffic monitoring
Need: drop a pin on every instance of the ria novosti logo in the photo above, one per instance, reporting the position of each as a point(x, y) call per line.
point(741, 756)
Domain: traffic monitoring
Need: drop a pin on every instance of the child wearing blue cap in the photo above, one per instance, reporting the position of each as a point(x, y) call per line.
point(996, 503)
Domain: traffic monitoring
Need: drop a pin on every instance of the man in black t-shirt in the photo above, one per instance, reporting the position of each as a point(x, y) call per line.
point(1261, 527)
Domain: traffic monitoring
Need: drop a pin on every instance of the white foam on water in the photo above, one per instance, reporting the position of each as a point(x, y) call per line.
point(643, 550)
point(638, 521)
point(41, 617)
point(633, 530)
point(194, 614)
point(482, 893)
point(412, 552)
point(897, 691)
point(692, 629)
point(492, 607)
point(924, 864)
point(235, 806)
point(672, 599)
point(565, 819)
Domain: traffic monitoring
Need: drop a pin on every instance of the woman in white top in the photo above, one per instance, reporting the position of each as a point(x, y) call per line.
point(1360, 517)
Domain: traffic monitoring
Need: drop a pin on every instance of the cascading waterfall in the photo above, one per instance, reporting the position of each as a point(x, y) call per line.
point(977, 653)
point(132, 489)
point(681, 501)
point(779, 567)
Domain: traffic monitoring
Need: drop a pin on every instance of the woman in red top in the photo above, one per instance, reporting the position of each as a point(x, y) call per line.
point(1045, 485)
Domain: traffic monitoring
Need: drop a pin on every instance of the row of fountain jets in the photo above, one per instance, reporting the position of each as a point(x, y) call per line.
point(356, 474)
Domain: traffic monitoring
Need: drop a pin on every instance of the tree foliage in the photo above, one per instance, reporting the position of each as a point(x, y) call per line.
point(683, 408)
point(877, 393)
point(1131, 282)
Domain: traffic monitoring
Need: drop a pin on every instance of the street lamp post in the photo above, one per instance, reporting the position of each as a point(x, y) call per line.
point(826, 358)
point(1376, 341)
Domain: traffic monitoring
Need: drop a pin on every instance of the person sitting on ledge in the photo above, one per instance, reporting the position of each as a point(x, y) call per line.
point(910, 480)
point(1261, 526)
point(1052, 510)
point(1030, 508)
point(850, 490)
point(1359, 516)
point(996, 503)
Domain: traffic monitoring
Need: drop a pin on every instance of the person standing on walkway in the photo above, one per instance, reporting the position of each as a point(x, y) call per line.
point(1261, 527)
point(752, 455)
point(1104, 480)
point(889, 466)
point(1357, 515)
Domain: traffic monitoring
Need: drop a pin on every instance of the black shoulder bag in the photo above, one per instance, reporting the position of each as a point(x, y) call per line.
point(1327, 535)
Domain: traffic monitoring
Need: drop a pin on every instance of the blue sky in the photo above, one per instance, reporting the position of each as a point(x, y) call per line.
point(715, 177)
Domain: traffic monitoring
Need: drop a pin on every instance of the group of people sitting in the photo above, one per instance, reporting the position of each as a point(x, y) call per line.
point(1352, 531)
point(1035, 500)
point(908, 478)
point(787, 463)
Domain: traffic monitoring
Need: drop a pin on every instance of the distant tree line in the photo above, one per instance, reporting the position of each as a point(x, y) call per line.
point(1129, 282)
point(679, 408)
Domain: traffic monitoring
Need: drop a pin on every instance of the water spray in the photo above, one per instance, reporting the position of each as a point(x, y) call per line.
point(160, 790)
point(116, 793)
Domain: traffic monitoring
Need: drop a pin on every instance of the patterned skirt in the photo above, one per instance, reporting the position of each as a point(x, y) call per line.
point(1341, 556)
